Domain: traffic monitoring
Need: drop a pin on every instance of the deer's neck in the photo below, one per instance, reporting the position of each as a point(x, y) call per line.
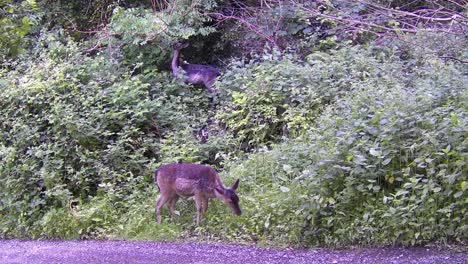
point(175, 63)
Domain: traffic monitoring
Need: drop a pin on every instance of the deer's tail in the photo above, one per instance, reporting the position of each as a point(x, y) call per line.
point(156, 179)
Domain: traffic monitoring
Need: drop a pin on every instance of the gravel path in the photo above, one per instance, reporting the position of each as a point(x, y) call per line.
point(14, 251)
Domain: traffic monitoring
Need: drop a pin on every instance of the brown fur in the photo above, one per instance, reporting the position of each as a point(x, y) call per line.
point(194, 73)
point(202, 182)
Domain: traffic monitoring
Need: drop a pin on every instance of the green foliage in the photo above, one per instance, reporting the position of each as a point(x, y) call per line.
point(76, 129)
point(450, 47)
point(386, 167)
point(16, 20)
point(143, 37)
point(334, 145)
point(77, 17)
point(267, 100)
point(269, 202)
point(278, 95)
point(384, 164)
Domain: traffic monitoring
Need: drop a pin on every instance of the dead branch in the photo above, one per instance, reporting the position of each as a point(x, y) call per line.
point(251, 26)
point(434, 20)
point(453, 58)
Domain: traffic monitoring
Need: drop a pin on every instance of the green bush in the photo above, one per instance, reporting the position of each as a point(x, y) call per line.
point(352, 145)
point(276, 95)
point(265, 100)
point(383, 165)
point(77, 129)
point(16, 22)
point(144, 37)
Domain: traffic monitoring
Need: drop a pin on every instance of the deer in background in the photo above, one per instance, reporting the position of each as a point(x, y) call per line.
point(203, 182)
point(194, 73)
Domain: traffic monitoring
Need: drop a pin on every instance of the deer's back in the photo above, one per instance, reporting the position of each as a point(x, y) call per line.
point(205, 70)
point(186, 179)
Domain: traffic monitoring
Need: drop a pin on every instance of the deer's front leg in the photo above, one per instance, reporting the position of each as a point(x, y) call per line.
point(205, 205)
point(199, 203)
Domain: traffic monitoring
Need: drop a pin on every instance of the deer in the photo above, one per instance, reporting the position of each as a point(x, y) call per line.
point(186, 180)
point(195, 74)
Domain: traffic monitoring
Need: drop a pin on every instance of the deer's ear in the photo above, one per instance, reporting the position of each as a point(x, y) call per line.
point(235, 185)
point(219, 191)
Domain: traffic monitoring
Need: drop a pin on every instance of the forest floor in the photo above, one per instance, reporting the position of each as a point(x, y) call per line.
point(90, 251)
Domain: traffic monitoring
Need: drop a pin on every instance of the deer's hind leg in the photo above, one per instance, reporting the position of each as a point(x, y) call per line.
point(171, 205)
point(163, 199)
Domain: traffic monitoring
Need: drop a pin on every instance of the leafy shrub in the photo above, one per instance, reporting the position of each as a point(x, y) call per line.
point(142, 38)
point(356, 145)
point(17, 20)
point(384, 165)
point(277, 95)
point(76, 129)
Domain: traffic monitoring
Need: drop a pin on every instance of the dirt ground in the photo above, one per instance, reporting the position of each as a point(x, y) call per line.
point(15, 251)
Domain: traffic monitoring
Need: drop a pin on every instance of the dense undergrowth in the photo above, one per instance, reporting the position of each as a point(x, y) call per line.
point(337, 146)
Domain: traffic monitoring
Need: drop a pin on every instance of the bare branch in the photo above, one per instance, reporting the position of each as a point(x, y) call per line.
point(434, 20)
point(453, 58)
point(251, 26)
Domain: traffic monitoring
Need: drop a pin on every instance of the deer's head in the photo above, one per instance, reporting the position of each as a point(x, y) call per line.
point(179, 46)
point(229, 197)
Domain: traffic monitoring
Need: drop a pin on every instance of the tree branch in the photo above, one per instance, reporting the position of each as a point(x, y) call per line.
point(251, 26)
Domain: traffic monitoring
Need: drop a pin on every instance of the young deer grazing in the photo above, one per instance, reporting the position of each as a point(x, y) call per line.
point(194, 73)
point(176, 180)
